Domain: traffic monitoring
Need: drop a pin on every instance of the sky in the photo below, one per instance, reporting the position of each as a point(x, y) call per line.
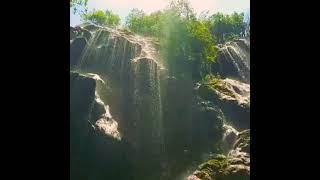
point(123, 7)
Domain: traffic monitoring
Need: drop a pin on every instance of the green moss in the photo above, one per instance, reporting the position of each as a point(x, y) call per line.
point(127, 31)
point(204, 175)
point(244, 139)
point(213, 82)
point(220, 157)
point(215, 165)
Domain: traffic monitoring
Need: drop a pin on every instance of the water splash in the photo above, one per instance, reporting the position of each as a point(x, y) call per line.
point(229, 130)
point(132, 65)
point(236, 91)
point(229, 137)
point(106, 123)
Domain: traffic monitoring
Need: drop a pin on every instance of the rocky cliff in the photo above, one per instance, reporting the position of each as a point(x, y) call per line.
point(233, 60)
point(130, 120)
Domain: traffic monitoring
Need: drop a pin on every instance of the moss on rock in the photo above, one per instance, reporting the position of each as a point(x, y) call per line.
point(232, 96)
point(234, 166)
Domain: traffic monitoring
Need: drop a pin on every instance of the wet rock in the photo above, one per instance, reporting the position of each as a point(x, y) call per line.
point(79, 32)
point(81, 101)
point(243, 142)
point(97, 111)
point(233, 97)
point(233, 60)
point(202, 175)
point(73, 33)
point(95, 151)
point(76, 48)
point(234, 166)
point(193, 177)
point(90, 27)
point(207, 120)
point(237, 171)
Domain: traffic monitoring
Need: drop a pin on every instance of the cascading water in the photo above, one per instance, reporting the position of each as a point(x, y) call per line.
point(105, 122)
point(133, 101)
point(147, 100)
point(130, 63)
point(234, 60)
point(229, 137)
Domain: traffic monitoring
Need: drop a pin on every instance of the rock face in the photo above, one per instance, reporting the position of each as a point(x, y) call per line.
point(233, 60)
point(234, 166)
point(95, 149)
point(127, 63)
point(79, 32)
point(81, 102)
point(191, 125)
point(129, 120)
point(76, 47)
point(233, 97)
point(207, 124)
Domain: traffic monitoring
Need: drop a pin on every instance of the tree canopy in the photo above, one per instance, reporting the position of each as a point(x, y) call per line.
point(99, 17)
point(79, 6)
point(227, 27)
point(186, 43)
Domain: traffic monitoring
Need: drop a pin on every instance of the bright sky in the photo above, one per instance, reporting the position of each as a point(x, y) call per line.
point(123, 7)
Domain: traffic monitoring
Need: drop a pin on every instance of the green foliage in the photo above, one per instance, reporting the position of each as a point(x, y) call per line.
point(126, 30)
point(99, 17)
point(182, 8)
point(227, 27)
point(137, 21)
point(213, 166)
point(186, 43)
point(212, 80)
point(112, 20)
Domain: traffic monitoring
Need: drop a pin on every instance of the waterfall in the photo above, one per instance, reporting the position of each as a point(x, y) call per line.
point(147, 106)
point(133, 96)
point(234, 60)
point(229, 137)
point(106, 123)
point(132, 67)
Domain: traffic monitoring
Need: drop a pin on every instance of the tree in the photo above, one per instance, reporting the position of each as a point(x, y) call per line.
point(182, 8)
point(227, 27)
point(79, 6)
point(102, 18)
point(112, 19)
point(186, 43)
point(135, 20)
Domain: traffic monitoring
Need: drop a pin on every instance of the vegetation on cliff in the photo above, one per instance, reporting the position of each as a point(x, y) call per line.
point(99, 17)
point(187, 42)
point(146, 101)
point(234, 166)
